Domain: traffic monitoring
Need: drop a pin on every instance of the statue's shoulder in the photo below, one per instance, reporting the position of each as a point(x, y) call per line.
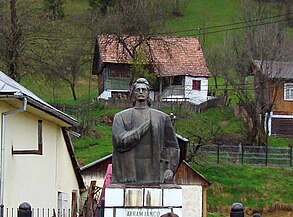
point(125, 112)
point(158, 112)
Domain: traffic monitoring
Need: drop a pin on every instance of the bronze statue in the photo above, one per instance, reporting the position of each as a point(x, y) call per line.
point(145, 147)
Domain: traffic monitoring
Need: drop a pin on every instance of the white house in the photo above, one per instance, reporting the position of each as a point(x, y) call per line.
point(177, 62)
point(38, 164)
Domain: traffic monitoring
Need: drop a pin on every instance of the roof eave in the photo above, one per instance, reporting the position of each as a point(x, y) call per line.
point(34, 103)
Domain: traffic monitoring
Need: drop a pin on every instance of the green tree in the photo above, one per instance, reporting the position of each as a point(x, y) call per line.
point(141, 68)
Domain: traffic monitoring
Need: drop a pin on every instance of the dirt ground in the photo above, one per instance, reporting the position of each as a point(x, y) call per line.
point(278, 214)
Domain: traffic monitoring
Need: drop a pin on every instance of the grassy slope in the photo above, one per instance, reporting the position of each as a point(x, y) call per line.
point(204, 13)
point(97, 143)
point(252, 186)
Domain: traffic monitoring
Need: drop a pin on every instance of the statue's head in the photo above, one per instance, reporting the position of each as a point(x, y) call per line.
point(141, 90)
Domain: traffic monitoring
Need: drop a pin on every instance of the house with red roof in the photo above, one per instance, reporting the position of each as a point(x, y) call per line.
point(178, 63)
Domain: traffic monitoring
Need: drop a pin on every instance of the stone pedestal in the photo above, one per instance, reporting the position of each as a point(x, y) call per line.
point(142, 201)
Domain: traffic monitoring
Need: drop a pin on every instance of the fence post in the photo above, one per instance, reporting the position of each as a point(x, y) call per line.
point(24, 210)
point(218, 153)
point(242, 153)
point(267, 155)
point(290, 155)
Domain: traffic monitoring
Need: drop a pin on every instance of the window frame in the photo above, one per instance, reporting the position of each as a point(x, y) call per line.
point(288, 91)
point(196, 85)
point(38, 151)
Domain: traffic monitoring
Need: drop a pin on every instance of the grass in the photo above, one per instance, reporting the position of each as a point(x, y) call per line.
point(60, 92)
point(204, 13)
point(90, 148)
point(250, 185)
point(215, 214)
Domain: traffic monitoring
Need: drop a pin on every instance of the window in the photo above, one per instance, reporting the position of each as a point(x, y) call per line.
point(195, 85)
point(38, 151)
point(288, 91)
point(177, 80)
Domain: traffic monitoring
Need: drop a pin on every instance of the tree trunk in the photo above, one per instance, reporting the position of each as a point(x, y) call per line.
point(72, 86)
point(176, 9)
point(15, 44)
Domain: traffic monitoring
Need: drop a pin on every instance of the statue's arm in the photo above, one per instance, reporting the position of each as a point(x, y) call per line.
point(124, 140)
point(171, 143)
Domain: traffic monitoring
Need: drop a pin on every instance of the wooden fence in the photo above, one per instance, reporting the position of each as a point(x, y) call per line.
point(77, 111)
point(244, 154)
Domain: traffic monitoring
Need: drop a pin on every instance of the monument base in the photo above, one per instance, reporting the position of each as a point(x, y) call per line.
point(142, 201)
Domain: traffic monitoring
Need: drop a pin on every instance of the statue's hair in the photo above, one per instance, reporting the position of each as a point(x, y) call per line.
point(142, 81)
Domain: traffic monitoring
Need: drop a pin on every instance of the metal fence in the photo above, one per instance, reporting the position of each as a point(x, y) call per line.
point(245, 154)
point(38, 212)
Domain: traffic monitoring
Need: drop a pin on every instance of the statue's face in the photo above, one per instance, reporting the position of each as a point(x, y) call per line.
point(141, 92)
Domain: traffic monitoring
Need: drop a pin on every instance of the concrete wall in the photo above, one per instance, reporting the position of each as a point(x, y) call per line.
point(191, 200)
point(32, 178)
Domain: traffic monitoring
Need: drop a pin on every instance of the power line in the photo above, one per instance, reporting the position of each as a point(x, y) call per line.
point(243, 27)
point(226, 25)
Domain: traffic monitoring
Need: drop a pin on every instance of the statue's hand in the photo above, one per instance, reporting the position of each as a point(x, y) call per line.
point(144, 127)
point(168, 176)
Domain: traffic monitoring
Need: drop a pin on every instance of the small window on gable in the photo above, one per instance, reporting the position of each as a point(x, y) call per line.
point(288, 91)
point(196, 85)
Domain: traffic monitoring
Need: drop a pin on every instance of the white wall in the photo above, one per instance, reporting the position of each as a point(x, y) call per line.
point(191, 200)
point(107, 94)
point(35, 179)
point(196, 96)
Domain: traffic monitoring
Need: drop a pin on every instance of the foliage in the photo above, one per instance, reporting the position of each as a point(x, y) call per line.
point(100, 5)
point(216, 125)
point(248, 185)
point(139, 67)
point(54, 9)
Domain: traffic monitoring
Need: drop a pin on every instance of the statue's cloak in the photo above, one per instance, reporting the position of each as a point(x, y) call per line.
point(160, 139)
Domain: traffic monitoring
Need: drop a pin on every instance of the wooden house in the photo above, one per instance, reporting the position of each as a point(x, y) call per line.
point(279, 93)
point(37, 159)
point(193, 184)
point(177, 62)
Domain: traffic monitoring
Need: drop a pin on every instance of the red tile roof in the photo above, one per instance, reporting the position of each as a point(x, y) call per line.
point(170, 55)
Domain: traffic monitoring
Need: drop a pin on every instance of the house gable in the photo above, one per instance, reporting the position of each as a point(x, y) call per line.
point(186, 175)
